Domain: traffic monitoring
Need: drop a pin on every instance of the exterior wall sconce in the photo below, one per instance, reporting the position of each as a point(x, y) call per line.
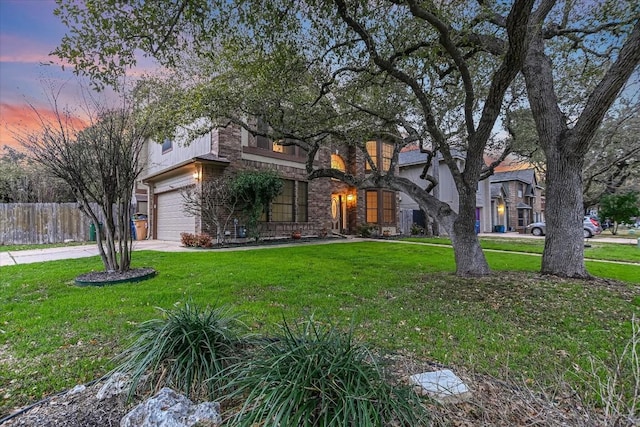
point(197, 175)
point(500, 209)
point(351, 198)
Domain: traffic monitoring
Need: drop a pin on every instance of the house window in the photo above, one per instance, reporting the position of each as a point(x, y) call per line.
point(521, 217)
point(381, 154)
point(265, 143)
point(294, 194)
point(303, 199)
point(372, 207)
point(282, 205)
point(338, 163)
point(387, 154)
point(261, 140)
point(167, 145)
point(381, 204)
point(388, 207)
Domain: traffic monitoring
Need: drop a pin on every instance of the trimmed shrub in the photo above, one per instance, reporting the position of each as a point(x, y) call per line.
point(196, 240)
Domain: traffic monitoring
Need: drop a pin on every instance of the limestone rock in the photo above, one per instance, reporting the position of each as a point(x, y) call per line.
point(170, 409)
point(117, 384)
point(442, 385)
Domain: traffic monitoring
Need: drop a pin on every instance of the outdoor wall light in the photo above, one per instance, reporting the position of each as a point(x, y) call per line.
point(350, 198)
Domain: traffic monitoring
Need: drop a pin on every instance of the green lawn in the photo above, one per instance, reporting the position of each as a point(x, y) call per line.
point(596, 249)
point(54, 334)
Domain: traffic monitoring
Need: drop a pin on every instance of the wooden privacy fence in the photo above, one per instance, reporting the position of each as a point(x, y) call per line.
point(36, 223)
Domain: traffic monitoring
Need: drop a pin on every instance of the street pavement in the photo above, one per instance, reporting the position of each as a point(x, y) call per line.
point(88, 250)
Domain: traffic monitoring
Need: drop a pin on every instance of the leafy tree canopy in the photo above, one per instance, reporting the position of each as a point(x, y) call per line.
point(619, 208)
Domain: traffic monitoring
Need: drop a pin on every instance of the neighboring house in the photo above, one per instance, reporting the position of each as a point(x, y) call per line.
point(314, 207)
point(516, 199)
point(412, 164)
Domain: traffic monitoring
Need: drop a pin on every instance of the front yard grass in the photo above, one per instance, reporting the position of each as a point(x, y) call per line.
point(398, 297)
point(595, 249)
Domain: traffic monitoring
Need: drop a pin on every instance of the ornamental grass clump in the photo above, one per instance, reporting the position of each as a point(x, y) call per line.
point(186, 349)
point(318, 376)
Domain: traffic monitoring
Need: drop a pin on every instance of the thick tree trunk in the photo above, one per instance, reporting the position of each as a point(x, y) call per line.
point(564, 248)
point(564, 245)
point(470, 260)
point(565, 148)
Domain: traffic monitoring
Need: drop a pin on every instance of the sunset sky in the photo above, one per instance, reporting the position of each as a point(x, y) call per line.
point(28, 32)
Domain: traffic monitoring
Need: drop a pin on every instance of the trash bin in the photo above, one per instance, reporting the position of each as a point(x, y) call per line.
point(242, 232)
point(92, 231)
point(132, 230)
point(477, 226)
point(141, 229)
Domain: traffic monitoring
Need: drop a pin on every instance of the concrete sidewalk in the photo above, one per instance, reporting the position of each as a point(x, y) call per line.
point(601, 238)
point(82, 251)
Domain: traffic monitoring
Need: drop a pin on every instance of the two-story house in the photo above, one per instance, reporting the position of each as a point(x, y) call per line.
point(313, 206)
point(412, 164)
point(516, 199)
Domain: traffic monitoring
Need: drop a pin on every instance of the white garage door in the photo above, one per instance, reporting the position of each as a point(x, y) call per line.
point(171, 218)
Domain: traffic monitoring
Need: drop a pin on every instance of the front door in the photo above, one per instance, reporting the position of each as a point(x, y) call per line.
point(338, 213)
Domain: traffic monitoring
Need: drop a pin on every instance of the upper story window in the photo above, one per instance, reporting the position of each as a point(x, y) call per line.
point(279, 146)
point(167, 145)
point(338, 163)
point(381, 154)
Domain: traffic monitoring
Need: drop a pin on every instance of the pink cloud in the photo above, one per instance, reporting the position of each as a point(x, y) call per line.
point(20, 119)
point(23, 50)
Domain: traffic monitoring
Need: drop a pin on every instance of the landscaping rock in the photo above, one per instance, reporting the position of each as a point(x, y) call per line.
point(117, 384)
point(443, 385)
point(170, 409)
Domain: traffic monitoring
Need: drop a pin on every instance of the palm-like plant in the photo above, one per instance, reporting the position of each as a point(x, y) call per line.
point(318, 376)
point(187, 349)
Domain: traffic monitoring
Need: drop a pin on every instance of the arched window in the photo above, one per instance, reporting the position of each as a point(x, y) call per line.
point(338, 163)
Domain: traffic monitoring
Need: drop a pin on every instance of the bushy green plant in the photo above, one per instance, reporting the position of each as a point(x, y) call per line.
point(318, 376)
point(416, 229)
point(254, 191)
point(186, 349)
point(366, 229)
